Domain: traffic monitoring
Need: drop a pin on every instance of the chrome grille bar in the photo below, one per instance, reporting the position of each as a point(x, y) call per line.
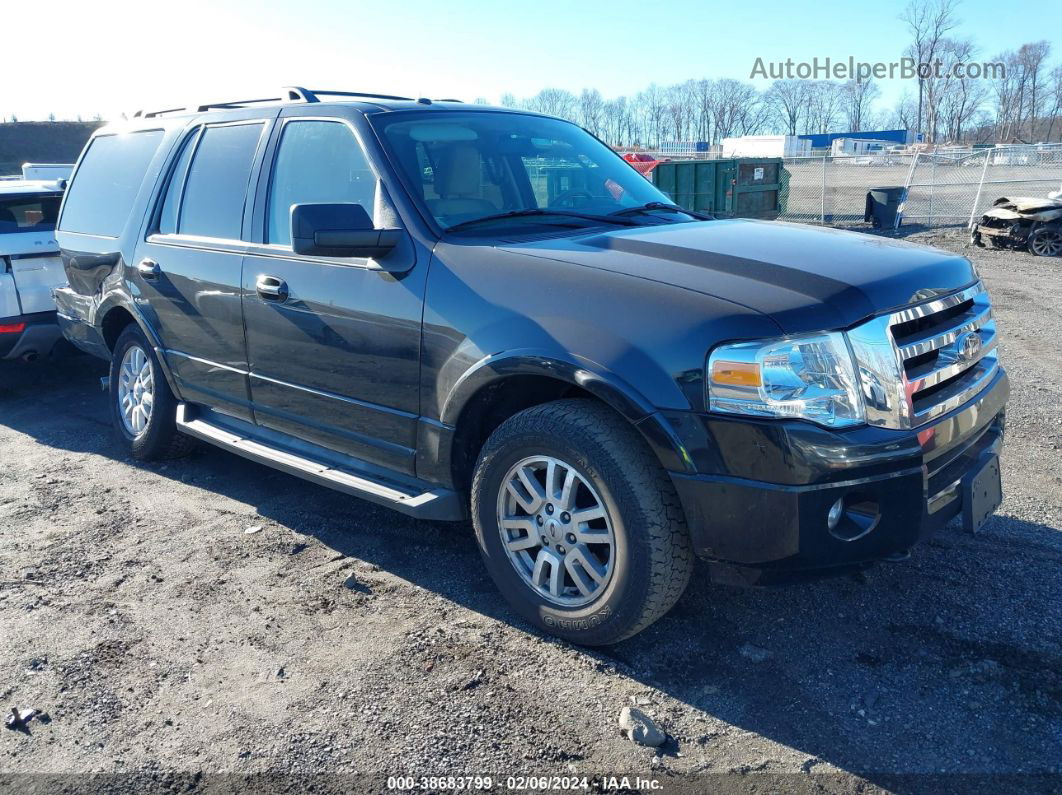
point(921, 362)
point(938, 340)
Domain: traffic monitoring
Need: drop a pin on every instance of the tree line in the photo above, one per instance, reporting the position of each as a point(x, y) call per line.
point(1021, 103)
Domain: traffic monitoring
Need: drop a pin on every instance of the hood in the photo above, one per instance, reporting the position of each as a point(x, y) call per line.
point(1027, 207)
point(805, 278)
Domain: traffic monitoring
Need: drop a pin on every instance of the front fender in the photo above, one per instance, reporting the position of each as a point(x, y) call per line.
point(575, 370)
point(590, 376)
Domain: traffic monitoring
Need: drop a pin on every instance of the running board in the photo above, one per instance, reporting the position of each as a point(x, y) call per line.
point(438, 504)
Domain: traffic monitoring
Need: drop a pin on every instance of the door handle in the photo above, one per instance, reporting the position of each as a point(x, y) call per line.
point(271, 288)
point(149, 269)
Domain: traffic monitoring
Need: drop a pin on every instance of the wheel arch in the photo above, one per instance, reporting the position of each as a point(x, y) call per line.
point(114, 315)
point(499, 387)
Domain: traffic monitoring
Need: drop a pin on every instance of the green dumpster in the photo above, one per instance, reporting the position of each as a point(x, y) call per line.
point(743, 187)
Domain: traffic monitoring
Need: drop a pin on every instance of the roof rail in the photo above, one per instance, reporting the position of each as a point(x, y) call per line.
point(287, 94)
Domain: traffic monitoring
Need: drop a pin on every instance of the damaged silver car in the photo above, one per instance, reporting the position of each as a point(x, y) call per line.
point(1022, 222)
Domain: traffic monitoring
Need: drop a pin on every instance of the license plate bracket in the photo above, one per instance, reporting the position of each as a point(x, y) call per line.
point(982, 492)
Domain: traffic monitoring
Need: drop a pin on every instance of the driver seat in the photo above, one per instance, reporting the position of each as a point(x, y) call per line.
point(457, 182)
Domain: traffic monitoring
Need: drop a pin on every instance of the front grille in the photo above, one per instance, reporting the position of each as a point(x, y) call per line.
point(927, 359)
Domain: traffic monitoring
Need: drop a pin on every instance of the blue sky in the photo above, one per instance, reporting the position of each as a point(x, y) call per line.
point(110, 56)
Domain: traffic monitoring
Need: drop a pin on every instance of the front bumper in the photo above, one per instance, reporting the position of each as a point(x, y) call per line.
point(38, 335)
point(761, 504)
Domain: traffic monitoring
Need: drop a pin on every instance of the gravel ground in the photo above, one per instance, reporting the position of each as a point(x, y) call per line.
point(210, 616)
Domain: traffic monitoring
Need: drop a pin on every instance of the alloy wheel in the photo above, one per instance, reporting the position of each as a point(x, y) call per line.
point(1046, 243)
point(556, 531)
point(136, 390)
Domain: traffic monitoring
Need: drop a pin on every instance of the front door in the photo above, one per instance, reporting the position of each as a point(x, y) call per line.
point(189, 267)
point(333, 345)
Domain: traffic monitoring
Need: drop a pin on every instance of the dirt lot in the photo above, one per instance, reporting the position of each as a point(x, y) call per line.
point(163, 637)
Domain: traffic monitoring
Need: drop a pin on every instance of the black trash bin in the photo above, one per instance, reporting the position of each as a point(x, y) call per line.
point(883, 204)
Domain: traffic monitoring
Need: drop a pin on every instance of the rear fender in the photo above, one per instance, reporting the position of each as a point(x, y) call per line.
point(116, 302)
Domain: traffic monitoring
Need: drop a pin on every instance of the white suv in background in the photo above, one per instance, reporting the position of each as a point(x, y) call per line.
point(30, 267)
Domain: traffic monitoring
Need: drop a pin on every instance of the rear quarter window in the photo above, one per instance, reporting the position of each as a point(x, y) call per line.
point(107, 181)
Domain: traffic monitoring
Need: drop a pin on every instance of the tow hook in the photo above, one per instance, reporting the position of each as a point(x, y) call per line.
point(105, 383)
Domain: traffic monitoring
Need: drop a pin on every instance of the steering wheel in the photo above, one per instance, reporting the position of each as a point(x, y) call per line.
point(568, 198)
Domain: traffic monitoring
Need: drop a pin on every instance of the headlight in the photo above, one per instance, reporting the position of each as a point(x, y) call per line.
point(811, 378)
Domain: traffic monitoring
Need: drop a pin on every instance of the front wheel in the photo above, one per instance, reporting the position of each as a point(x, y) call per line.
point(143, 409)
point(1046, 241)
point(578, 524)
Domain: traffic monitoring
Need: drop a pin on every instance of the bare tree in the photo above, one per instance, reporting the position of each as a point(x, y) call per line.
point(824, 106)
point(680, 107)
point(929, 22)
point(953, 102)
point(702, 97)
point(591, 110)
point(905, 115)
point(650, 110)
point(1055, 101)
point(789, 101)
point(554, 102)
point(857, 97)
point(1031, 58)
point(1022, 102)
point(1006, 88)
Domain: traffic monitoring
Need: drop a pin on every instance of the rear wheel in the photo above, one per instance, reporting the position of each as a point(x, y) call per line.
point(1046, 241)
point(143, 409)
point(578, 525)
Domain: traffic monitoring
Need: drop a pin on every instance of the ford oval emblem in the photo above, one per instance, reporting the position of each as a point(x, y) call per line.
point(968, 346)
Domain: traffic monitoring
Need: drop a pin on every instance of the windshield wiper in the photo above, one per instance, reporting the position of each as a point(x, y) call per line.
point(651, 206)
point(538, 211)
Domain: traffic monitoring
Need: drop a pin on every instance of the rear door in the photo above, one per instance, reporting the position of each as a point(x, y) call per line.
point(189, 267)
point(335, 359)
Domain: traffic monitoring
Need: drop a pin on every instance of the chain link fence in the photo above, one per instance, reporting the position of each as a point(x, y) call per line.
point(945, 188)
point(829, 190)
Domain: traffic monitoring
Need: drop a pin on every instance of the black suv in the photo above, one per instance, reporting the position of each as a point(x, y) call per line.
point(461, 311)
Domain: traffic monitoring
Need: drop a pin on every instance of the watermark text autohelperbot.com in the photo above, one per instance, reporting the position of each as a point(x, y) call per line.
point(851, 69)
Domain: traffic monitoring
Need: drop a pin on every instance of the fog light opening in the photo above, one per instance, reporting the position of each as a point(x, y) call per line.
point(853, 516)
point(834, 516)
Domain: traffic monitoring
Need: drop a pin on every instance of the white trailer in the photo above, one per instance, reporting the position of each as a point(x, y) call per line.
point(766, 146)
point(857, 146)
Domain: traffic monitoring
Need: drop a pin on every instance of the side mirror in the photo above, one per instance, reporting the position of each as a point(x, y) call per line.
point(339, 230)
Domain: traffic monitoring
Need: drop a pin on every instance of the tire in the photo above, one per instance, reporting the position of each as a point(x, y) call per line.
point(152, 435)
point(1046, 241)
point(650, 559)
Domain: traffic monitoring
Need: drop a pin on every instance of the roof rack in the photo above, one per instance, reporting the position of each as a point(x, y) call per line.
point(287, 94)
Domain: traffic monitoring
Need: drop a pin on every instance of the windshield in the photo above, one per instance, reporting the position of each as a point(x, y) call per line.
point(28, 213)
point(472, 165)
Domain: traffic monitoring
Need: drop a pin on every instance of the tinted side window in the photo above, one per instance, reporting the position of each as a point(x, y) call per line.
point(172, 204)
point(317, 161)
point(107, 181)
point(216, 187)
